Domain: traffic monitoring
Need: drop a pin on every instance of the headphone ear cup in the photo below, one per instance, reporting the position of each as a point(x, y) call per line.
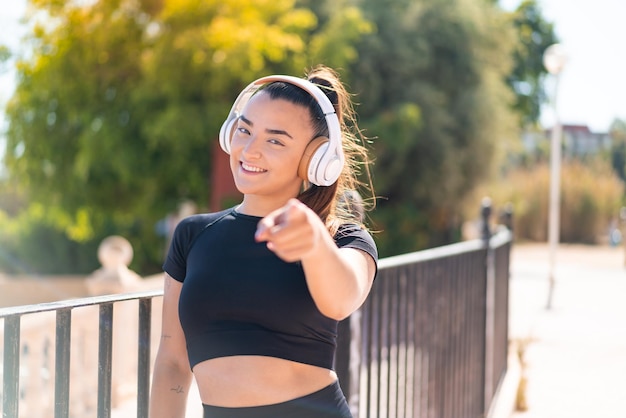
point(226, 133)
point(309, 163)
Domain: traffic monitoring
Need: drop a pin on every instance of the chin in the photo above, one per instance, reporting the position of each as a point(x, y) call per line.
point(245, 188)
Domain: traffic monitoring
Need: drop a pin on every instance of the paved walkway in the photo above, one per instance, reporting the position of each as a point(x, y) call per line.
point(576, 352)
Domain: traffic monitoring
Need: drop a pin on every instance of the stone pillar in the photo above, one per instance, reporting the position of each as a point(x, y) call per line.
point(115, 254)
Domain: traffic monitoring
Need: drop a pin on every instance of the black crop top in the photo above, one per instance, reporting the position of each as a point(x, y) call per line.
point(239, 298)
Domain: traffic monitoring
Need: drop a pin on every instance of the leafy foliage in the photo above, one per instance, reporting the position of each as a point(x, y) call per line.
point(118, 107)
point(591, 194)
point(5, 55)
point(617, 132)
point(430, 81)
point(117, 110)
point(535, 35)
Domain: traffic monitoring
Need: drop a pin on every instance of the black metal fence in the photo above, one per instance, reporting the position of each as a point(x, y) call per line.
point(12, 349)
point(430, 341)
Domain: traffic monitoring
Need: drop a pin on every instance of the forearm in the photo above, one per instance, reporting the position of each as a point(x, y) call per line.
point(169, 393)
point(337, 279)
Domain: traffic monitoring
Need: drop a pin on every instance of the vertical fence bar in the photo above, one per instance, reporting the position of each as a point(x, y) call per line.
point(342, 356)
point(377, 349)
point(415, 331)
point(105, 355)
point(354, 367)
point(411, 367)
point(366, 359)
point(62, 363)
point(392, 342)
point(402, 346)
point(384, 347)
point(11, 381)
point(490, 302)
point(143, 357)
point(501, 334)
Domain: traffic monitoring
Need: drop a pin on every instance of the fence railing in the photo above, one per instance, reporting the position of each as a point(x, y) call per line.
point(430, 341)
point(12, 394)
point(432, 338)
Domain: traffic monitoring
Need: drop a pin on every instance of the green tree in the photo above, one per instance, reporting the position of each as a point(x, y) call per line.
point(617, 132)
point(432, 92)
point(118, 107)
point(5, 55)
point(535, 34)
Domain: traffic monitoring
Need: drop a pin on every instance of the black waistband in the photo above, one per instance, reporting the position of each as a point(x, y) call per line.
point(328, 402)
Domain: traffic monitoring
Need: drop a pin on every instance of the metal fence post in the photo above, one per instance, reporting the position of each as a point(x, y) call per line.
point(143, 360)
point(105, 354)
point(507, 216)
point(62, 363)
point(342, 357)
point(11, 366)
point(489, 301)
point(485, 214)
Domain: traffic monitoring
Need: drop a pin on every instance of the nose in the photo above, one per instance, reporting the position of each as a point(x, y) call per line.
point(252, 148)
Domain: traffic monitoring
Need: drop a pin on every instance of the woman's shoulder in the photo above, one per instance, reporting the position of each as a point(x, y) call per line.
point(195, 223)
point(351, 228)
point(355, 235)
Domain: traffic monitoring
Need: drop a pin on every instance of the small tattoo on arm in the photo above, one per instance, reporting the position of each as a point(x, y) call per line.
point(178, 389)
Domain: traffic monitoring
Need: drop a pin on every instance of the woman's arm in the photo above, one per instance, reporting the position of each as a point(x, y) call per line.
point(339, 279)
point(172, 376)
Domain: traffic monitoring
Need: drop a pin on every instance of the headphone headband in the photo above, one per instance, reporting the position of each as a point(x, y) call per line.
point(327, 159)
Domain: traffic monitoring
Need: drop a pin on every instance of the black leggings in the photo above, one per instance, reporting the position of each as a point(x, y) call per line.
point(325, 403)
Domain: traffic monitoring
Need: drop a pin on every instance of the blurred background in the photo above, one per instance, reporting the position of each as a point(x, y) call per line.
point(111, 110)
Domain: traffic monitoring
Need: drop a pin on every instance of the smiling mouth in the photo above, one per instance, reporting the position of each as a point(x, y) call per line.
point(252, 168)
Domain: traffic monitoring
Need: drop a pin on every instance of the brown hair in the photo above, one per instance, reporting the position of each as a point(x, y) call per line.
point(340, 202)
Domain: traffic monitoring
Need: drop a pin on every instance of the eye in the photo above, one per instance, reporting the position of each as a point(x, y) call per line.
point(243, 130)
point(275, 141)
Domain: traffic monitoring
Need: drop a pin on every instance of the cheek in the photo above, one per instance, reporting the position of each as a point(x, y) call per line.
point(293, 162)
point(235, 144)
point(233, 158)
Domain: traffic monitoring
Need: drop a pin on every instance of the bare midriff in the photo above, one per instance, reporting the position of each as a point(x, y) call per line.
point(241, 381)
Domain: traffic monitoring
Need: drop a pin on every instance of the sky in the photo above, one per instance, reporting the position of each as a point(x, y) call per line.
point(592, 86)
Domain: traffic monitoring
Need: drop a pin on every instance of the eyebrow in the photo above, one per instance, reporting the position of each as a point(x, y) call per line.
point(270, 131)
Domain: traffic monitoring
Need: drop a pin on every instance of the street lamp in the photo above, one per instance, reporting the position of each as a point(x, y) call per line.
point(554, 59)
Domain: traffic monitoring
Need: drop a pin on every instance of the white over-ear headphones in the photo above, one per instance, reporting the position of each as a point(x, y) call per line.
point(323, 158)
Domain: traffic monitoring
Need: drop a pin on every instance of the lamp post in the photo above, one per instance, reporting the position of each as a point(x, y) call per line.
point(554, 59)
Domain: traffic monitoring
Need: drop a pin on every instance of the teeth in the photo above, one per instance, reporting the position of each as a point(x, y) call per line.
point(252, 168)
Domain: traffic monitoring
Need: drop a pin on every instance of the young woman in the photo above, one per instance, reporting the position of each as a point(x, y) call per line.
point(253, 294)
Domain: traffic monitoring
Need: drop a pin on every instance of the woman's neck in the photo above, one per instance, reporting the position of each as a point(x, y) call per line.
point(256, 206)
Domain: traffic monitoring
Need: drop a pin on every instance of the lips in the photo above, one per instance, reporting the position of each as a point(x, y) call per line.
point(252, 168)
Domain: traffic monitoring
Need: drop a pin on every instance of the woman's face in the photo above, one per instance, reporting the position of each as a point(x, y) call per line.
point(267, 145)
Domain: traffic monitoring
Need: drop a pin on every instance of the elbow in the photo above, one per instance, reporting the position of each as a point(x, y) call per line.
point(172, 363)
point(339, 310)
point(338, 314)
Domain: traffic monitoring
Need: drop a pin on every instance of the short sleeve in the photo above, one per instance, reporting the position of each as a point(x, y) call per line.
point(176, 261)
point(354, 236)
point(184, 236)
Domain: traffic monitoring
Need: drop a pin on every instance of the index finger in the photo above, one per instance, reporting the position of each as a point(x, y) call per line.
point(271, 223)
